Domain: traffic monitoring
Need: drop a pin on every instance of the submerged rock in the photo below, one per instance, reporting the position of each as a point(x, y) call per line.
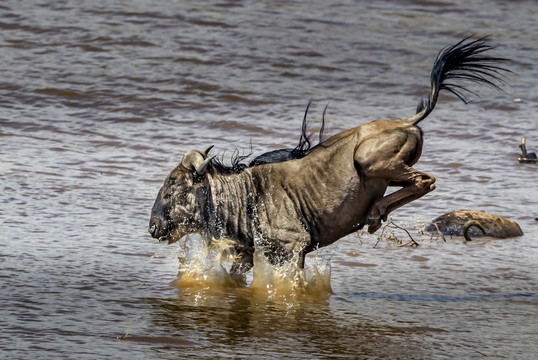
point(496, 226)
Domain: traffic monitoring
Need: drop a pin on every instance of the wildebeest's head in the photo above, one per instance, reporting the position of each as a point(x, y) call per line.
point(175, 212)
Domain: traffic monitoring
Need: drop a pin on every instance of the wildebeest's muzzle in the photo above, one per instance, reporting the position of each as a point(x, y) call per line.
point(158, 228)
point(159, 222)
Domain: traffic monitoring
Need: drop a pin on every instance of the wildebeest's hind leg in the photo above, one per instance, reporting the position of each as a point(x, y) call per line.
point(287, 245)
point(386, 157)
point(415, 186)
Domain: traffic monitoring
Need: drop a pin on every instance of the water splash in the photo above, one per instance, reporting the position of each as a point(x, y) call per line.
point(287, 281)
point(204, 264)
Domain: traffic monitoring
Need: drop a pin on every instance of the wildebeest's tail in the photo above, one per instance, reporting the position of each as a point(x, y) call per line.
point(463, 61)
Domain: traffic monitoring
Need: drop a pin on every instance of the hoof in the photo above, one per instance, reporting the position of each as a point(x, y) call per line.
point(373, 225)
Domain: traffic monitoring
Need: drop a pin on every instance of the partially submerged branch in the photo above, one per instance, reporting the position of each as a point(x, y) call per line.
point(439, 231)
point(124, 336)
point(412, 242)
point(391, 224)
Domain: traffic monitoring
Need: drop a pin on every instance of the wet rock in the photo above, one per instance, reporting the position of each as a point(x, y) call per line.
point(496, 226)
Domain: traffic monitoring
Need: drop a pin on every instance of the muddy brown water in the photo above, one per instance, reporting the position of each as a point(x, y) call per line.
point(100, 99)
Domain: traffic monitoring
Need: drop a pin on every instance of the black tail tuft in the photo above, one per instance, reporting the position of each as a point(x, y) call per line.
point(463, 61)
point(466, 61)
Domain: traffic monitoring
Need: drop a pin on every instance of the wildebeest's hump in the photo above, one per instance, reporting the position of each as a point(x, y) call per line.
point(274, 156)
point(496, 226)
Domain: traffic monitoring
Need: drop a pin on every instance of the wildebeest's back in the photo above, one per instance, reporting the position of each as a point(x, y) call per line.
point(320, 196)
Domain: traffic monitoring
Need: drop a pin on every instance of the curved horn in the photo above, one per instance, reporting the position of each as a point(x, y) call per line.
point(192, 159)
point(202, 168)
point(206, 151)
point(466, 227)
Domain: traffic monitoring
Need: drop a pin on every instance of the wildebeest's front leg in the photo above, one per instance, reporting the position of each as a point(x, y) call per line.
point(243, 262)
point(388, 157)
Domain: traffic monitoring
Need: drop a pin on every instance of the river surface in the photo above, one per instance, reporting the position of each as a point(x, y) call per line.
point(99, 100)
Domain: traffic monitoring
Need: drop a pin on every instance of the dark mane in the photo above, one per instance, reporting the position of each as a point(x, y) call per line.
point(239, 163)
point(236, 166)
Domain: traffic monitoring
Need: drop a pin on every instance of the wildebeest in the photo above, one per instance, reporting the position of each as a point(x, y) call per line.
point(461, 223)
point(290, 208)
